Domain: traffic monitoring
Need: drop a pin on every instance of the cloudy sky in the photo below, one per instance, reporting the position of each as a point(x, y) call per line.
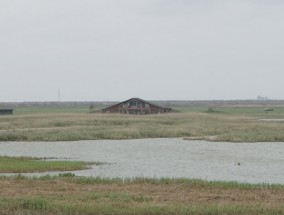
point(98, 50)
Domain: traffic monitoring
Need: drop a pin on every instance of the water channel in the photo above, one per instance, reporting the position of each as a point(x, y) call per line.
point(172, 158)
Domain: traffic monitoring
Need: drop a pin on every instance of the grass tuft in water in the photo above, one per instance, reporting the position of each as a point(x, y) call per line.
point(29, 164)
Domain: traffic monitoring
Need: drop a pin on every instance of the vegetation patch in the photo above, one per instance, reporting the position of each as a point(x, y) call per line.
point(29, 164)
point(79, 195)
point(233, 124)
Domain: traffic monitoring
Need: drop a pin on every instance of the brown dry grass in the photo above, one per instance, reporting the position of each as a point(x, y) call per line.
point(160, 194)
point(71, 195)
point(80, 126)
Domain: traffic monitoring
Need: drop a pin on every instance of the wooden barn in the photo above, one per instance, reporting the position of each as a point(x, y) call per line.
point(136, 106)
point(6, 111)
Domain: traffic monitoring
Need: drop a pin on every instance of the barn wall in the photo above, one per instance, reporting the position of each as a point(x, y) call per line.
point(135, 106)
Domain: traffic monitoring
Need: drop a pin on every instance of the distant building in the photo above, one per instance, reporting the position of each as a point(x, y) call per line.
point(6, 111)
point(136, 106)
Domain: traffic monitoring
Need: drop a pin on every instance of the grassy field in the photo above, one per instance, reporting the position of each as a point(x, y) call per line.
point(72, 195)
point(226, 124)
point(27, 164)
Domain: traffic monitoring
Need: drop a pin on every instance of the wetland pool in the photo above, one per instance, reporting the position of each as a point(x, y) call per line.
point(169, 157)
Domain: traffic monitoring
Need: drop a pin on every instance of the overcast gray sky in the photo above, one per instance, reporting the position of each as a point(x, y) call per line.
point(97, 50)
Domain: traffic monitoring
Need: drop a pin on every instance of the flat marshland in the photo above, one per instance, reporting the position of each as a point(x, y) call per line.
point(68, 194)
point(229, 124)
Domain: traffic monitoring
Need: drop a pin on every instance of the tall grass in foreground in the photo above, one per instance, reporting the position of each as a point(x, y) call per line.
point(75, 195)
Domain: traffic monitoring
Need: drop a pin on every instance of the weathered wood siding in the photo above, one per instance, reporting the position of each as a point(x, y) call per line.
point(136, 106)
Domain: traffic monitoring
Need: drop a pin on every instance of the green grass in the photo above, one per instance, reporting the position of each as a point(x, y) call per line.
point(86, 126)
point(43, 206)
point(235, 124)
point(68, 195)
point(27, 164)
point(278, 112)
point(248, 110)
point(51, 109)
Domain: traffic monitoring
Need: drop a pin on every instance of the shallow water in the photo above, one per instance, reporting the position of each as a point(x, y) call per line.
point(174, 158)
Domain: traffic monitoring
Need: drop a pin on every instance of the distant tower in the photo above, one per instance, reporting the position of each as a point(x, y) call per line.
point(59, 95)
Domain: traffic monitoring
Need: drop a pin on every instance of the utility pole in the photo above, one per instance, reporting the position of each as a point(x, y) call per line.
point(59, 95)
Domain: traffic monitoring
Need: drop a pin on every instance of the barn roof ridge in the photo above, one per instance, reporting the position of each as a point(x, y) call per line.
point(142, 100)
point(147, 102)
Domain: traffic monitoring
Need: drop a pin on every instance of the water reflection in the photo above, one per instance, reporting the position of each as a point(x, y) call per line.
point(174, 158)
